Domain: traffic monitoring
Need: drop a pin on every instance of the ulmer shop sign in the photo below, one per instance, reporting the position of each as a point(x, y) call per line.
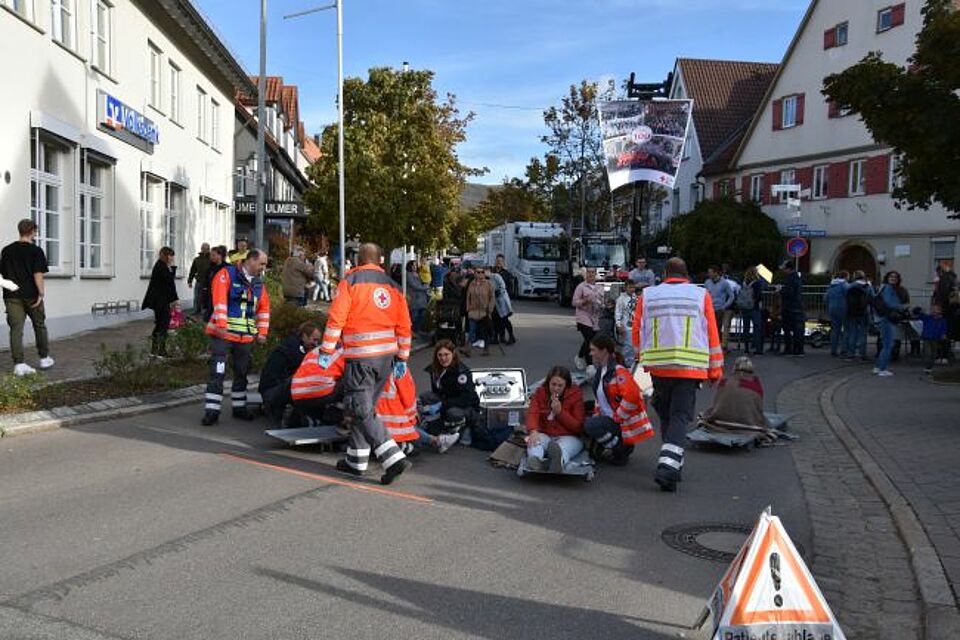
point(125, 123)
point(272, 208)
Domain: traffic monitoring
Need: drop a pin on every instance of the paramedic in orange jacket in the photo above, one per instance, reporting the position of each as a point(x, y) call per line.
point(370, 318)
point(397, 409)
point(315, 390)
point(241, 315)
point(677, 342)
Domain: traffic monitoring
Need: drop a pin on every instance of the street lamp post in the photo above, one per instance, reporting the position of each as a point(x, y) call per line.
point(261, 130)
point(338, 5)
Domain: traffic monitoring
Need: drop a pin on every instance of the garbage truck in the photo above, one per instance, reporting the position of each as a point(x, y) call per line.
point(530, 251)
point(605, 251)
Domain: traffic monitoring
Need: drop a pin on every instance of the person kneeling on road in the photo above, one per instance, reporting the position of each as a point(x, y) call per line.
point(277, 374)
point(452, 382)
point(555, 422)
point(315, 389)
point(620, 417)
point(241, 314)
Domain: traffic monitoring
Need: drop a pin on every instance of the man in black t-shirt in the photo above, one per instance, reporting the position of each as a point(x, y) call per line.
point(24, 263)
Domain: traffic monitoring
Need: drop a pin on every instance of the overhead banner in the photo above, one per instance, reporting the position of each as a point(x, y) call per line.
point(643, 139)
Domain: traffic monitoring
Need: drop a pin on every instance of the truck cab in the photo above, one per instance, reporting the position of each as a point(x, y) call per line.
point(530, 251)
point(606, 252)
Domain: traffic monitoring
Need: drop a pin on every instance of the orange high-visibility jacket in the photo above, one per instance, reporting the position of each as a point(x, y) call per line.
point(241, 309)
point(629, 410)
point(313, 381)
point(397, 407)
point(369, 316)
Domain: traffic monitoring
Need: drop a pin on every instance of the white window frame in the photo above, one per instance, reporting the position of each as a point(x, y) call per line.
point(884, 13)
point(89, 193)
point(174, 197)
point(789, 108)
point(820, 187)
point(42, 178)
point(202, 117)
point(150, 215)
point(938, 255)
point(156, 75)
point(846, 34)
point(176, 99)
point(894, 181)
point(23, 8)
point(756, 187)
point(101, 35)
point(63, 22)
point(214, 124)
point(858, 169)
point(788, 176)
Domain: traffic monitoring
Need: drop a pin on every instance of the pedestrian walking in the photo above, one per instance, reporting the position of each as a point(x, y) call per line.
point(502, 310)
point(891, 304)
point(218, 261)
point(857, 317)
point(835, 299)
point(623, 317)
point(588, 303)
point(641, 275)
point(481, 302)
point(239, 254)
point(198, 275)
point(321, 268)
point(791, 311)
point(22, 265)
point(370, 317)
point(297, 273)
point(749, 300)
point(721, 293)
point(932, 336)
point(775, 317)
point(500, 267)
point(162, 297)
point(241, 315)
point(418, 297)
point(677, 342)
point(946, 294)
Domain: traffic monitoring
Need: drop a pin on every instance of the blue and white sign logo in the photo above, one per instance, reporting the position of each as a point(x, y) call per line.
point(126, 123)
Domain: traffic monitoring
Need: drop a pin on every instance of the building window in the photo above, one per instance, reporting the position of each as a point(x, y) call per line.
point(756, 187)
point(944, 252)
point(62, 22)
point(156, 83)
point(201, 114)
point(174, 92)
point(23, 8)
point(843, 32)
point(100, 32)
point(885, 19)
point(820, 182)
point(858, 178)
point(214, 124)
point(151, 201)
point(789, 176)
point(48, 163)
point(896, 178)
point(724, 189)
point(789, 112)
point(172, 216)
point(93, 189)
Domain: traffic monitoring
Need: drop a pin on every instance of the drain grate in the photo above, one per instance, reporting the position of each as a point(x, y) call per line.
point(685, 538)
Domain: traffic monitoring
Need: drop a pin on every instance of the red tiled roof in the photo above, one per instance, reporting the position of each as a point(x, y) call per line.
point(291, 105)
point(726, 94)
point(272, 94)
point(311, 149)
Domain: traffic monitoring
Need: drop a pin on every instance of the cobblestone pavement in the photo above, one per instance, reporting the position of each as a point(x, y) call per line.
point(858, 558)
point(917, 450)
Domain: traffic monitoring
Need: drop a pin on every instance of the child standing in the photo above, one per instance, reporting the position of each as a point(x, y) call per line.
point(934, 332)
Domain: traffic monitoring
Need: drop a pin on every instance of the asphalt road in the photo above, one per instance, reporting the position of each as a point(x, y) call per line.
point(155, 527)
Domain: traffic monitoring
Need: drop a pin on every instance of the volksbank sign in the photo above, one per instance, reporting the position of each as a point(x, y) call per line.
point(125, 123)
point(272, 208)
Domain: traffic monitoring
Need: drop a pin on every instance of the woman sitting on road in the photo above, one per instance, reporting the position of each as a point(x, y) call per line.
point(555, 422)
point(452, 382)
point(738, 405)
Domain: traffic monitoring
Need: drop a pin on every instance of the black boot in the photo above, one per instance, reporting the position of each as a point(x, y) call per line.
point(242, 413)
point(210, 418)
point(667, 477)
point(512, 340)
point(393, 471)
point(621, 454)
point(344, 467)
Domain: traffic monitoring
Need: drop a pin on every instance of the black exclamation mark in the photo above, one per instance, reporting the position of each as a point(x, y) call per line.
point(775, 574)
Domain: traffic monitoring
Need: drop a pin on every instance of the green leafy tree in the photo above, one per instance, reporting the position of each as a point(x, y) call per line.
point(403, 175)
point(914, 109)
point(726, 231)
point(511, 202)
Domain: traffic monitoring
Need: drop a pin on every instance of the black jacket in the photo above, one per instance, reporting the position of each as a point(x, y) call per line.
point(455, 388)
point(162, 289)
point(282, 362)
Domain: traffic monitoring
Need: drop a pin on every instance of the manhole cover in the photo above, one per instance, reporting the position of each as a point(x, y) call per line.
point(717, 541)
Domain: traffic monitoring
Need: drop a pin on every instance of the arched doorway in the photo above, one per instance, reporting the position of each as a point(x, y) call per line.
point(856, 257)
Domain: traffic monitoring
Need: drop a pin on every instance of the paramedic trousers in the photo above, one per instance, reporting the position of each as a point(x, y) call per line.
point(240, 354)
point(675, 401)
point(363, 382)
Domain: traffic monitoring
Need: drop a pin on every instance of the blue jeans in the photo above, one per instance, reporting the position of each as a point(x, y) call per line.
point(416, 319)
point(887, 333)
point(837, 343)
point(751, 320)
point(855, 336)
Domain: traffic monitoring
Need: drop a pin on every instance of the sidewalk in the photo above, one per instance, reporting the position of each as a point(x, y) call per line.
point(910, 426)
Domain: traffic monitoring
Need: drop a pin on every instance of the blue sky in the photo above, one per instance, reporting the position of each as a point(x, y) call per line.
point(521, 53)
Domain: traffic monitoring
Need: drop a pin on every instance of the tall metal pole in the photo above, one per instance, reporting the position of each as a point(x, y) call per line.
point(261, 128)
point(343, 228)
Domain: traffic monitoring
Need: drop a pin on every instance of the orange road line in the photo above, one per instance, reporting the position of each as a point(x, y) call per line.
point(330, 480)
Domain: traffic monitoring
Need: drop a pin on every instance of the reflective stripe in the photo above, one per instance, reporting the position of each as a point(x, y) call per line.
point(640, 417)
point(670, 462)
point(635, 435)
point(328, 346)
point(333, 332)
point(403, 353)
point(404, 341)
point(220, 307)
point(395, 458)
point(626, 405)
point(320, 378)
point(672, 448)
point(212, 406)
point(383, 448)
point(358, 452)
point(687, 330)
point(393, 419)
point(656, 332)
point(375, 349)
point(373, 335)
point(264, 315)
point(212, 396)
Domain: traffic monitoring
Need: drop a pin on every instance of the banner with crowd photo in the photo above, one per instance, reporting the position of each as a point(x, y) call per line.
point(643, 139)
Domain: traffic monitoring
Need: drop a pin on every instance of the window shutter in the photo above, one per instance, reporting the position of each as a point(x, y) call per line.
point(897, 15)
point(878, 172)
point(837, 180)
point(800, 102)
point(769, 180)
point(745, 189)
point(777, 115)
point(716, 189)
point(833, 109)
point(830, 38)
point(805, 178)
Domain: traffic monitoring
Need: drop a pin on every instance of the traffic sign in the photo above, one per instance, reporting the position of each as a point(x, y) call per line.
point(785, 188)
point(797, 228)
point(797, 247)
point(813, 233)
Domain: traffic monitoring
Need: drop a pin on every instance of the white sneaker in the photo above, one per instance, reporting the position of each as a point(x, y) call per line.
point(23, 369)
point(875, 371)
point(447, 440)
point(886, 373)
point(46, 363)
point(477, 343)
point(580, 363)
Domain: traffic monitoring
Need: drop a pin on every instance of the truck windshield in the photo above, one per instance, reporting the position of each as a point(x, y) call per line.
point(541, 250)
point(604, 255)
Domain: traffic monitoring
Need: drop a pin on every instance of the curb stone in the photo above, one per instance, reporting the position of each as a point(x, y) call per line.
point(941, 616)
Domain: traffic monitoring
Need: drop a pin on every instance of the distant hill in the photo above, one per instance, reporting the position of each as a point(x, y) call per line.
point(474, 194)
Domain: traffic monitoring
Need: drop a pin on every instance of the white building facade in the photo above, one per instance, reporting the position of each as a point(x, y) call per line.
point(797, 137)
point(118, 130)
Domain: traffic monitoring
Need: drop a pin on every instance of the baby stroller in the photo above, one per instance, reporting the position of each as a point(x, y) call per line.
point(449, 322)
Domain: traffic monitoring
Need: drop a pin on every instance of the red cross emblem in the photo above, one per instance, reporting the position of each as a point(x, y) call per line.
point(381, 297)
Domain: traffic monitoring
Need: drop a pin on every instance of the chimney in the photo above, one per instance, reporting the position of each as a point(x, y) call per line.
point(316, 138)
